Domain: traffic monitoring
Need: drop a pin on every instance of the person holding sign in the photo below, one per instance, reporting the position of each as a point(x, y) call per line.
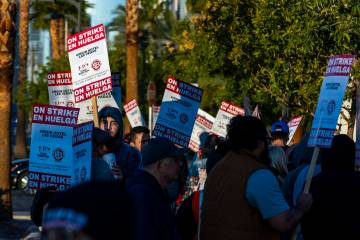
point(122, 158)
point(242, 198)
point(335, 211)
point(103, 160)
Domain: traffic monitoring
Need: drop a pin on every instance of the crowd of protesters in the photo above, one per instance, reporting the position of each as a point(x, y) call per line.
point(246, 186)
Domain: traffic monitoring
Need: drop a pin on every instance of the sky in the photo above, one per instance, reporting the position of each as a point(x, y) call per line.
point(102, 10)
point(100, 13)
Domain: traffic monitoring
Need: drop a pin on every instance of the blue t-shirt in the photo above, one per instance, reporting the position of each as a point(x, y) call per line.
point(263, 192)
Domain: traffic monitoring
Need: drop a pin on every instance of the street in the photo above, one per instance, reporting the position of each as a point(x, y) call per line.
point(16, 228)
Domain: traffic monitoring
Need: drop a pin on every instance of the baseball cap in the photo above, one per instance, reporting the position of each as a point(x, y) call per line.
point(279, 127)
point(158, 149)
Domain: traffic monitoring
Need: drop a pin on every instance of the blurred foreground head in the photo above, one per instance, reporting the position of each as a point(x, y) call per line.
point(341, 155)
point(90, 211)
point(249, 133)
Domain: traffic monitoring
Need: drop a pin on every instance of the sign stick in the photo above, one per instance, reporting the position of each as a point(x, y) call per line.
point(150, 120)
point(309, 176)
point(311, 169)
point(95, 111)
point(357, 124)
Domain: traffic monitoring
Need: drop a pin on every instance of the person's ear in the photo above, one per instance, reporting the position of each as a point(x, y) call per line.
point(159, 165)
point(259, 148)
point(261, 144)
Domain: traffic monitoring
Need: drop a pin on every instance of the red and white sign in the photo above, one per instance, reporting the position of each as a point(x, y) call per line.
point(133, 114)
point(203, 124)
point(59, 146)
point(89, 63)
point(86, 111)
point(61, 94)
point(293, 125)
point(223, 117)
point(60, 89)
point(55, 115)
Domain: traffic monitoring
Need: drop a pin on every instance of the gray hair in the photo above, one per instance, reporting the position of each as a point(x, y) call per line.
point(278, 160)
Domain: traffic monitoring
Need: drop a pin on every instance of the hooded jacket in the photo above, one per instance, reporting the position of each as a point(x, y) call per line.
point(127, 157)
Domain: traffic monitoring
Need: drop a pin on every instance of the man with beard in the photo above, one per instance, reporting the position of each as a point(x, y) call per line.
point(242, 198)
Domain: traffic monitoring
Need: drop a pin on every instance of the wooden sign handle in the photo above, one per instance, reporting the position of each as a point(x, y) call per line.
point(309, 177)
point(95, 111)
point(311, 169)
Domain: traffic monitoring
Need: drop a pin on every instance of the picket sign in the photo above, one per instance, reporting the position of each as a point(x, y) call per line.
point(133, 114)
point(90, 68)
point(203, 124)
point(153, 115)
point(293, 126)
point(178, 111)
point(223, 117)
point(60, 150)
point(61, 94)
point(328, 108)
point(60, 89)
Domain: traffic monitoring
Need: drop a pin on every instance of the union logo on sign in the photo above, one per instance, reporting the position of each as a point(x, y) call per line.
point(96, 64)
point(184, 118)
point(58, 154)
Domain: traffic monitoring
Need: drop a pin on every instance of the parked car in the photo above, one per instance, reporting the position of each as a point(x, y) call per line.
point(19, 175)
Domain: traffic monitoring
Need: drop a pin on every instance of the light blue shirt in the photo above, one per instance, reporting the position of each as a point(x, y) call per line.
point(263, 192)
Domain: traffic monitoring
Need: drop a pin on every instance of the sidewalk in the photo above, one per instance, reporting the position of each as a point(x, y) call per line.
point(16, 228)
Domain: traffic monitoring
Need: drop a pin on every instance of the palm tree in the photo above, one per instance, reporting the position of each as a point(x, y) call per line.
point(148, 28)
point(20, 147)
point(132, 31)
point(132, 41)
point(51, 16)
point(7, 23)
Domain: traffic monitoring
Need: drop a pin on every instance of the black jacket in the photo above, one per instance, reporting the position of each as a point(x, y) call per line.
point(335, 211)
point(152, 216)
